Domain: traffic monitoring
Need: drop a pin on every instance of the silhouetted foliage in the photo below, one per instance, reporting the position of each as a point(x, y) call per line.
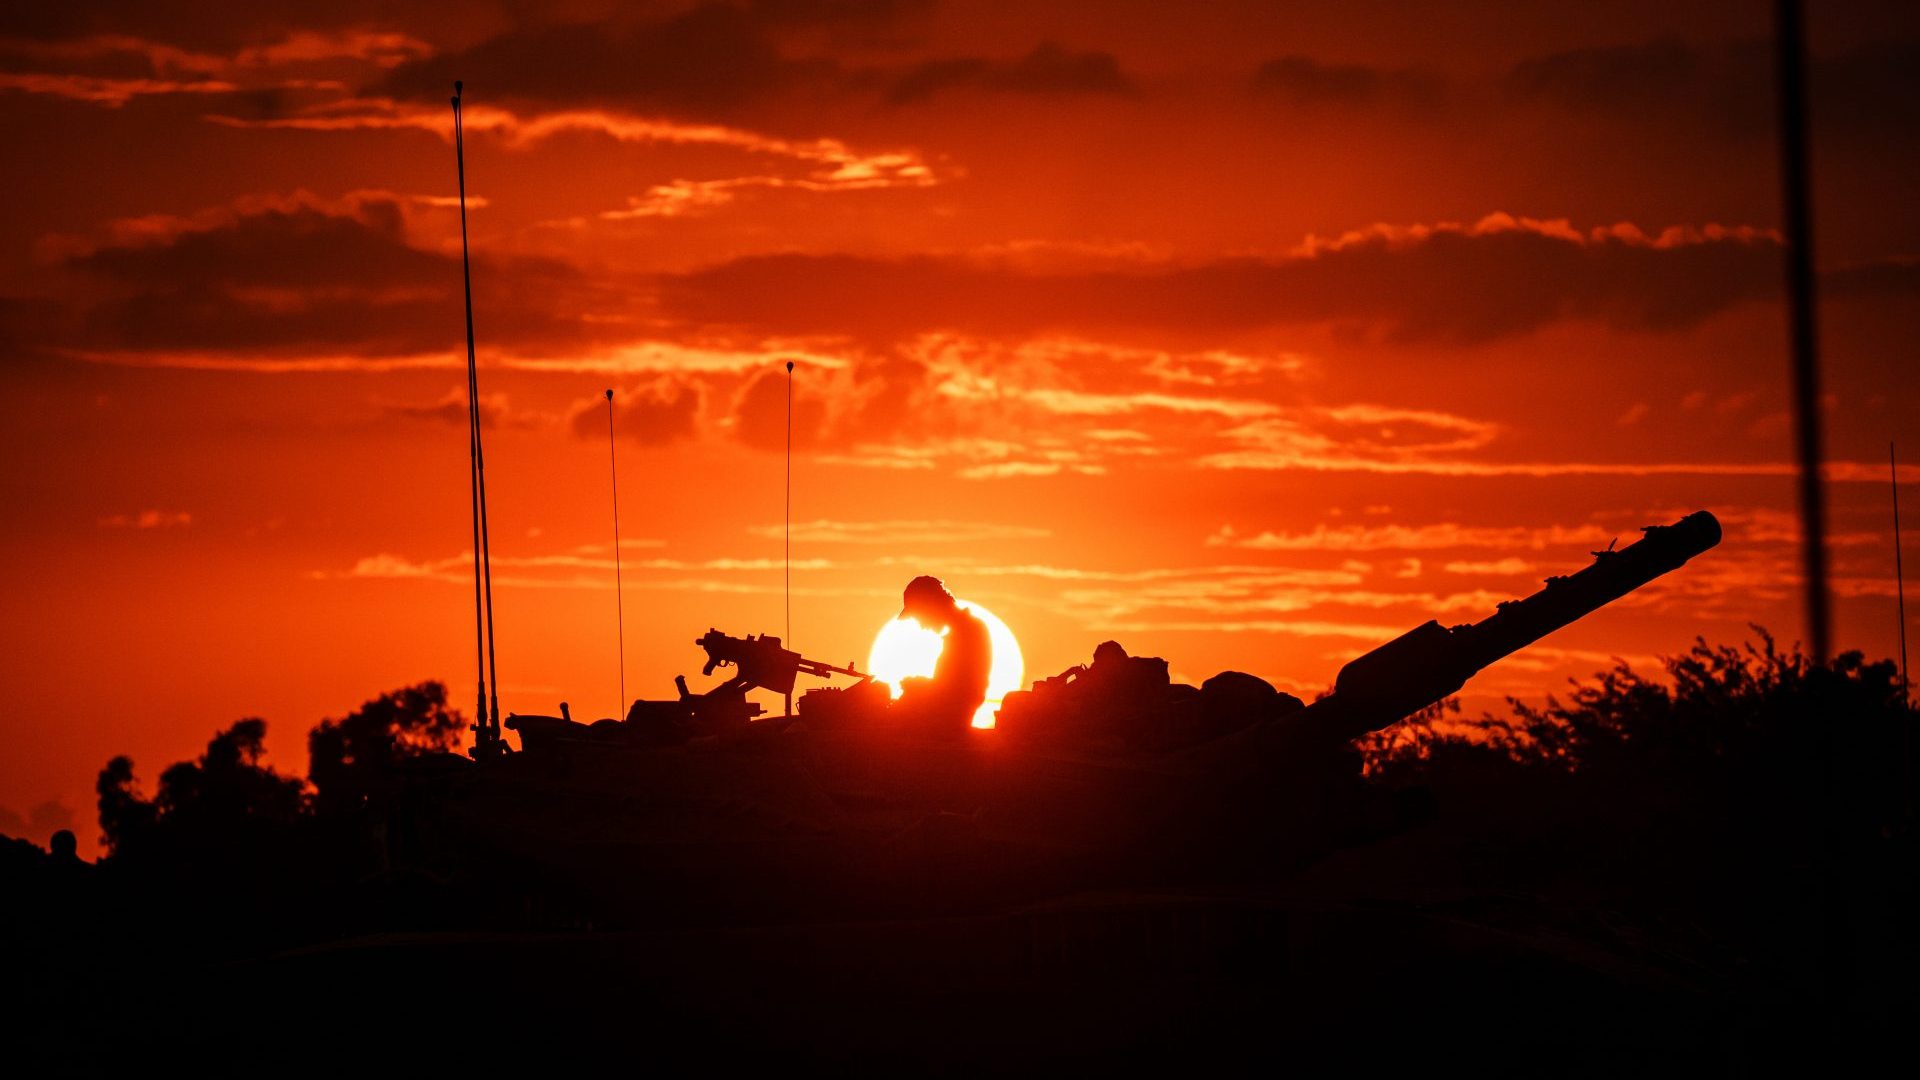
point(1636, 844)
point(353, 759)
point(1408, 741)
point(227, 794)
point(1750, 717)
point(126, 819)
point(228, 781)
point(1732, 794)
point(206, 805)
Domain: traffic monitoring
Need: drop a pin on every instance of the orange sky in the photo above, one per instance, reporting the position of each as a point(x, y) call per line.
point(1248, 334)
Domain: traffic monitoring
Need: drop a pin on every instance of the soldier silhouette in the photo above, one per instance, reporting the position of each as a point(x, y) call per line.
point(945, 703)
point(64, 848)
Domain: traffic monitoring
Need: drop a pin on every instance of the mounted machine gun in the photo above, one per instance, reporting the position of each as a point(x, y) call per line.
point(759, 663)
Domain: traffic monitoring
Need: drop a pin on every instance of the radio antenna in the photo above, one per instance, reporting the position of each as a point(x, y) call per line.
point(1899, 573)
point(619, 612)
point(789, 522)
point(486, 729)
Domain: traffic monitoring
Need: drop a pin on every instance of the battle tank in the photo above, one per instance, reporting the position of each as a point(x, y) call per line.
point(693, 812)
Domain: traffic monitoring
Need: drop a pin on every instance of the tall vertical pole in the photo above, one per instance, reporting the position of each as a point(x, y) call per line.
point(1900, 609)
point(789, 522)
point(619, 612)
point(480, 731)
point(1801, 315)
point(487, 729)
point(1899, 572)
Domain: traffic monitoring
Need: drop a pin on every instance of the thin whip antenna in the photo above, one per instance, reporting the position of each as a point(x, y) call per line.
point(789, 521)
point(487, 731)
point(473, 456)
point(619, 613)
point(1900, 596)
point(1899, 573)
point(789, 507)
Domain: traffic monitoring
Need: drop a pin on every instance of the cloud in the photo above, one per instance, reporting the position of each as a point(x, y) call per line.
point(687, 198)
point(1259, 575)
point(1365, 438)
point(1438, 537)
point(1725, 89)
point(496, 411)
point(1306, 81)
point(961, 385)
point(1542, 658)
point(148, 519)
point(657, 413)
point(832, 164)
point(562, 570)
point(114, 92)
point(1641, 76)
point(1295, 627)
point(839, 411)
point(192, 24)
point(112, 69)
point(1251, 596)
point(896, 533)
point(1508, 566)
point(1097, 598)
point(1050, 69)
point(312, 276)
point(975, 457)
point(711, 59)
point(656, 357)
point(634, 76)
point(770, 406)
point(38, 824)
point(1447, 283)
point(1897, 275)
point(1356, 437)
point(1268, 460)
point(1068, 463)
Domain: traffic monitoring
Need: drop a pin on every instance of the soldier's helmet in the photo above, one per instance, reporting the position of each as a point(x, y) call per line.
point(925, 595)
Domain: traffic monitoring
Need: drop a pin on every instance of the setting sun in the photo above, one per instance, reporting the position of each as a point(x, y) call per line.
point(904, 649)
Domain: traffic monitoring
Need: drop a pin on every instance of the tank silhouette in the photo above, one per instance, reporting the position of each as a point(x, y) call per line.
point(833, 813)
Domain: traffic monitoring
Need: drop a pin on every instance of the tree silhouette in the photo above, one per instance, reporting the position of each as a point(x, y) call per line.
point(353, 759)
point(228, 782)
point(221, 802)
point(1749, 710)
point(126, 819)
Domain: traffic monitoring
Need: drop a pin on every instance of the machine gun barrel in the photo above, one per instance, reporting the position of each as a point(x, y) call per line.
point(763, 663)
point(822, 670)
point(1431, 662)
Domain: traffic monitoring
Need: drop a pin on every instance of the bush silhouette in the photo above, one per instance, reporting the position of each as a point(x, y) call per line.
point(353, 759)
point(227, 805)
point(1748, 723)
point(220, 806)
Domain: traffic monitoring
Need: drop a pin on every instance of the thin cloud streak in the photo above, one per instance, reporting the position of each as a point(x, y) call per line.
point(1296, 627)
point(824, 531)
point(838, 167)
point(1836, 471)
point(1411, 538)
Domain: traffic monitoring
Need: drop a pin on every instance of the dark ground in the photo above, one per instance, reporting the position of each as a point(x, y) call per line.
point(1711, 878)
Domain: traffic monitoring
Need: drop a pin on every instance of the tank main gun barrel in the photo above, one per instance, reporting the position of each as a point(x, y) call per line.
point(1431, 662)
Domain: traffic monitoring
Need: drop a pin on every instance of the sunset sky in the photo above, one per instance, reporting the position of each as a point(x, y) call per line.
point(1249, 334)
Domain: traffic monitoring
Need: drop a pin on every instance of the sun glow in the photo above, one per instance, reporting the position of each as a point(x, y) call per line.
point(904, 649)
